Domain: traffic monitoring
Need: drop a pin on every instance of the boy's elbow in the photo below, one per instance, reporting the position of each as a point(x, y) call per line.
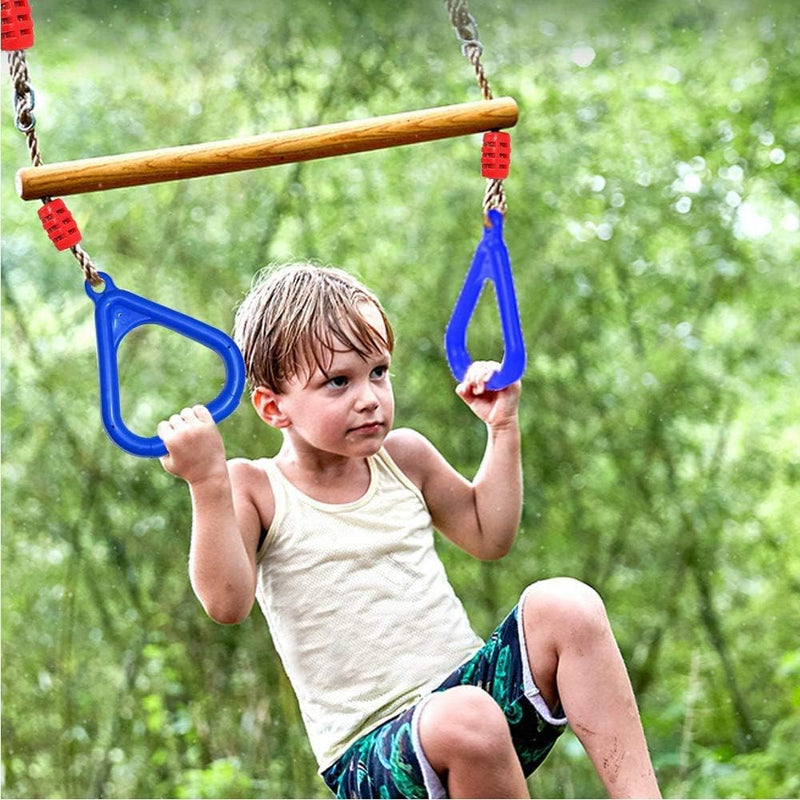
point(494, 554)
point(227, 602)
point(232, 619)
point(227, 608)
point(227, 613)
point(494, 550)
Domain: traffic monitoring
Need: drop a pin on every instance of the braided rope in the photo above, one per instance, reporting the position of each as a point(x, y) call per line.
point(24, 102)
point(87, 265)
point(474, 56)
point(466, 29)
point(494, 197)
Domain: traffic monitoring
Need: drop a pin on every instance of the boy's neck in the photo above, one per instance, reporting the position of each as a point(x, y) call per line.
point(326, 478)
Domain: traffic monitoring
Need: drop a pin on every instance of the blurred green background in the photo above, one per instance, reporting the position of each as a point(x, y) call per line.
point(653, 230)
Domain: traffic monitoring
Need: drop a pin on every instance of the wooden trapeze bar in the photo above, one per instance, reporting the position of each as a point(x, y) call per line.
point(304, 144)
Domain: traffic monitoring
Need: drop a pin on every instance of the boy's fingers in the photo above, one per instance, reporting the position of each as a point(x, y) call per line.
point(202, 413)
point(198, 413)
point(186, 417)
point(479, 374)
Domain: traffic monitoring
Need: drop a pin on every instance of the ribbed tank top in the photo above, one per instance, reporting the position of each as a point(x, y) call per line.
point(358, 605)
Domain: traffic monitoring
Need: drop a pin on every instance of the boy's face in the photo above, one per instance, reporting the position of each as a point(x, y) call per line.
point(347, 409)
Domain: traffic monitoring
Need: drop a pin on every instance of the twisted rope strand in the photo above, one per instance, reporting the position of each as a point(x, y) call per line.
point(474, 56)
point(494, 197)
point(87, 265)
point(466, 29)
point(24, 101)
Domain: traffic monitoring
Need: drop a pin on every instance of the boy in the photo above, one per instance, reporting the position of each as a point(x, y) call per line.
point(334, 536)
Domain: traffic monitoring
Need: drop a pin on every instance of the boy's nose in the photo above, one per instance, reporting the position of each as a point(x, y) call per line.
point(367, 399)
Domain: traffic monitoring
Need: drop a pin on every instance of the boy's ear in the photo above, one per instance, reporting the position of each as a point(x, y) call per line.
point(267, 405)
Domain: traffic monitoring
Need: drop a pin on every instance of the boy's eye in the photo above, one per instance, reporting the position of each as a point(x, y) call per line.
point(380, 372)
point(337, 382)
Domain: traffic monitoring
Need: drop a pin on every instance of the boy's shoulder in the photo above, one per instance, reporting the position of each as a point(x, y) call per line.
point(248, 476)
point(411, 451)
point(245, 467)
point(401, 442)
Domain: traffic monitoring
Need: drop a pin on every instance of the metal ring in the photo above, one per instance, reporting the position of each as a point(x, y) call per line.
point(23, 109)
point(471, 44)
point(29, 98)
point(25, 127)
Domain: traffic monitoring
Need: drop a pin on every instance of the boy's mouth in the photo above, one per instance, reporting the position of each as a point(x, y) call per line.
point(368, 427)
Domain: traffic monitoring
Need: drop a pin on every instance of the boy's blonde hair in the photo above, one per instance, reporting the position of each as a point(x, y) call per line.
point(297, 315)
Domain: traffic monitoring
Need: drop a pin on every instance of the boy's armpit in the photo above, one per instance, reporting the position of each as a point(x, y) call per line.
point(253, 500)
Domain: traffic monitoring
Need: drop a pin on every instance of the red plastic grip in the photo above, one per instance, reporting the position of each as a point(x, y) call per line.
point(496, 154)
point(16, 29)
point(59, 225)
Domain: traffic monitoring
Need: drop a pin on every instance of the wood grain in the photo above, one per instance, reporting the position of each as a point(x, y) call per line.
point(266, 150)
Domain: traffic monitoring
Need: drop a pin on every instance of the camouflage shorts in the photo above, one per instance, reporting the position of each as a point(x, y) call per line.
point(389, 762)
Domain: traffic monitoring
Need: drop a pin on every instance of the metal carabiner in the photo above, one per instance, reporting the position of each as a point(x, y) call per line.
point(490, 263)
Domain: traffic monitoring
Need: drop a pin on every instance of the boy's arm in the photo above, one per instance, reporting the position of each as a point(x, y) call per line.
point(226, 522)
point(480, 516)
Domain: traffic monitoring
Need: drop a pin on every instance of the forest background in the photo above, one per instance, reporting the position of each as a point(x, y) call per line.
point(653, 230)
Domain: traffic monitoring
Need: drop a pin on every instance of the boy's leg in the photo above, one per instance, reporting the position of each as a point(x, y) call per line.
point(466, 739)
point(575, 660)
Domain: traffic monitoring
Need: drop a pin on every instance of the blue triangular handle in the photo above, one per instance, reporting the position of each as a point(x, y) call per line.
point(490, 263)
point(117, 312)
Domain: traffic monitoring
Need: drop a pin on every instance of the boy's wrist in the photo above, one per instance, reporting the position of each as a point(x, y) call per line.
point(216, 479)
point(503, 426)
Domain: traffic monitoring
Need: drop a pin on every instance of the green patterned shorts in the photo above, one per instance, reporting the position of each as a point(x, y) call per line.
point(389, 762)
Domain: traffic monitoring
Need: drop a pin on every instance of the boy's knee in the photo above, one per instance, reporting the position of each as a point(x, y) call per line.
point(571, 604)
point(462, 723)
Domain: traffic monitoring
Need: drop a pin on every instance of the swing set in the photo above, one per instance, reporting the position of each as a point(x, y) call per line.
point(118, 312)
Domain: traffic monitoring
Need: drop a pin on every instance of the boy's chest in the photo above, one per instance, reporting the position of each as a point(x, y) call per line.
point(392, 526)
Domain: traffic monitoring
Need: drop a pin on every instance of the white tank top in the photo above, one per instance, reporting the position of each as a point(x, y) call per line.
point(358, 605)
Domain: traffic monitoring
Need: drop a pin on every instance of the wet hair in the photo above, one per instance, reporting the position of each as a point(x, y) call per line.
point(296, 316)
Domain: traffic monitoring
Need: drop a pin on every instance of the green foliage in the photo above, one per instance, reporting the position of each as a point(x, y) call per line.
point(653, 230)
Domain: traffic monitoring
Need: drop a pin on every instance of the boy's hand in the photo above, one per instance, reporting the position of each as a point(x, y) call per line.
point(495, 408)
point(195, 451)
